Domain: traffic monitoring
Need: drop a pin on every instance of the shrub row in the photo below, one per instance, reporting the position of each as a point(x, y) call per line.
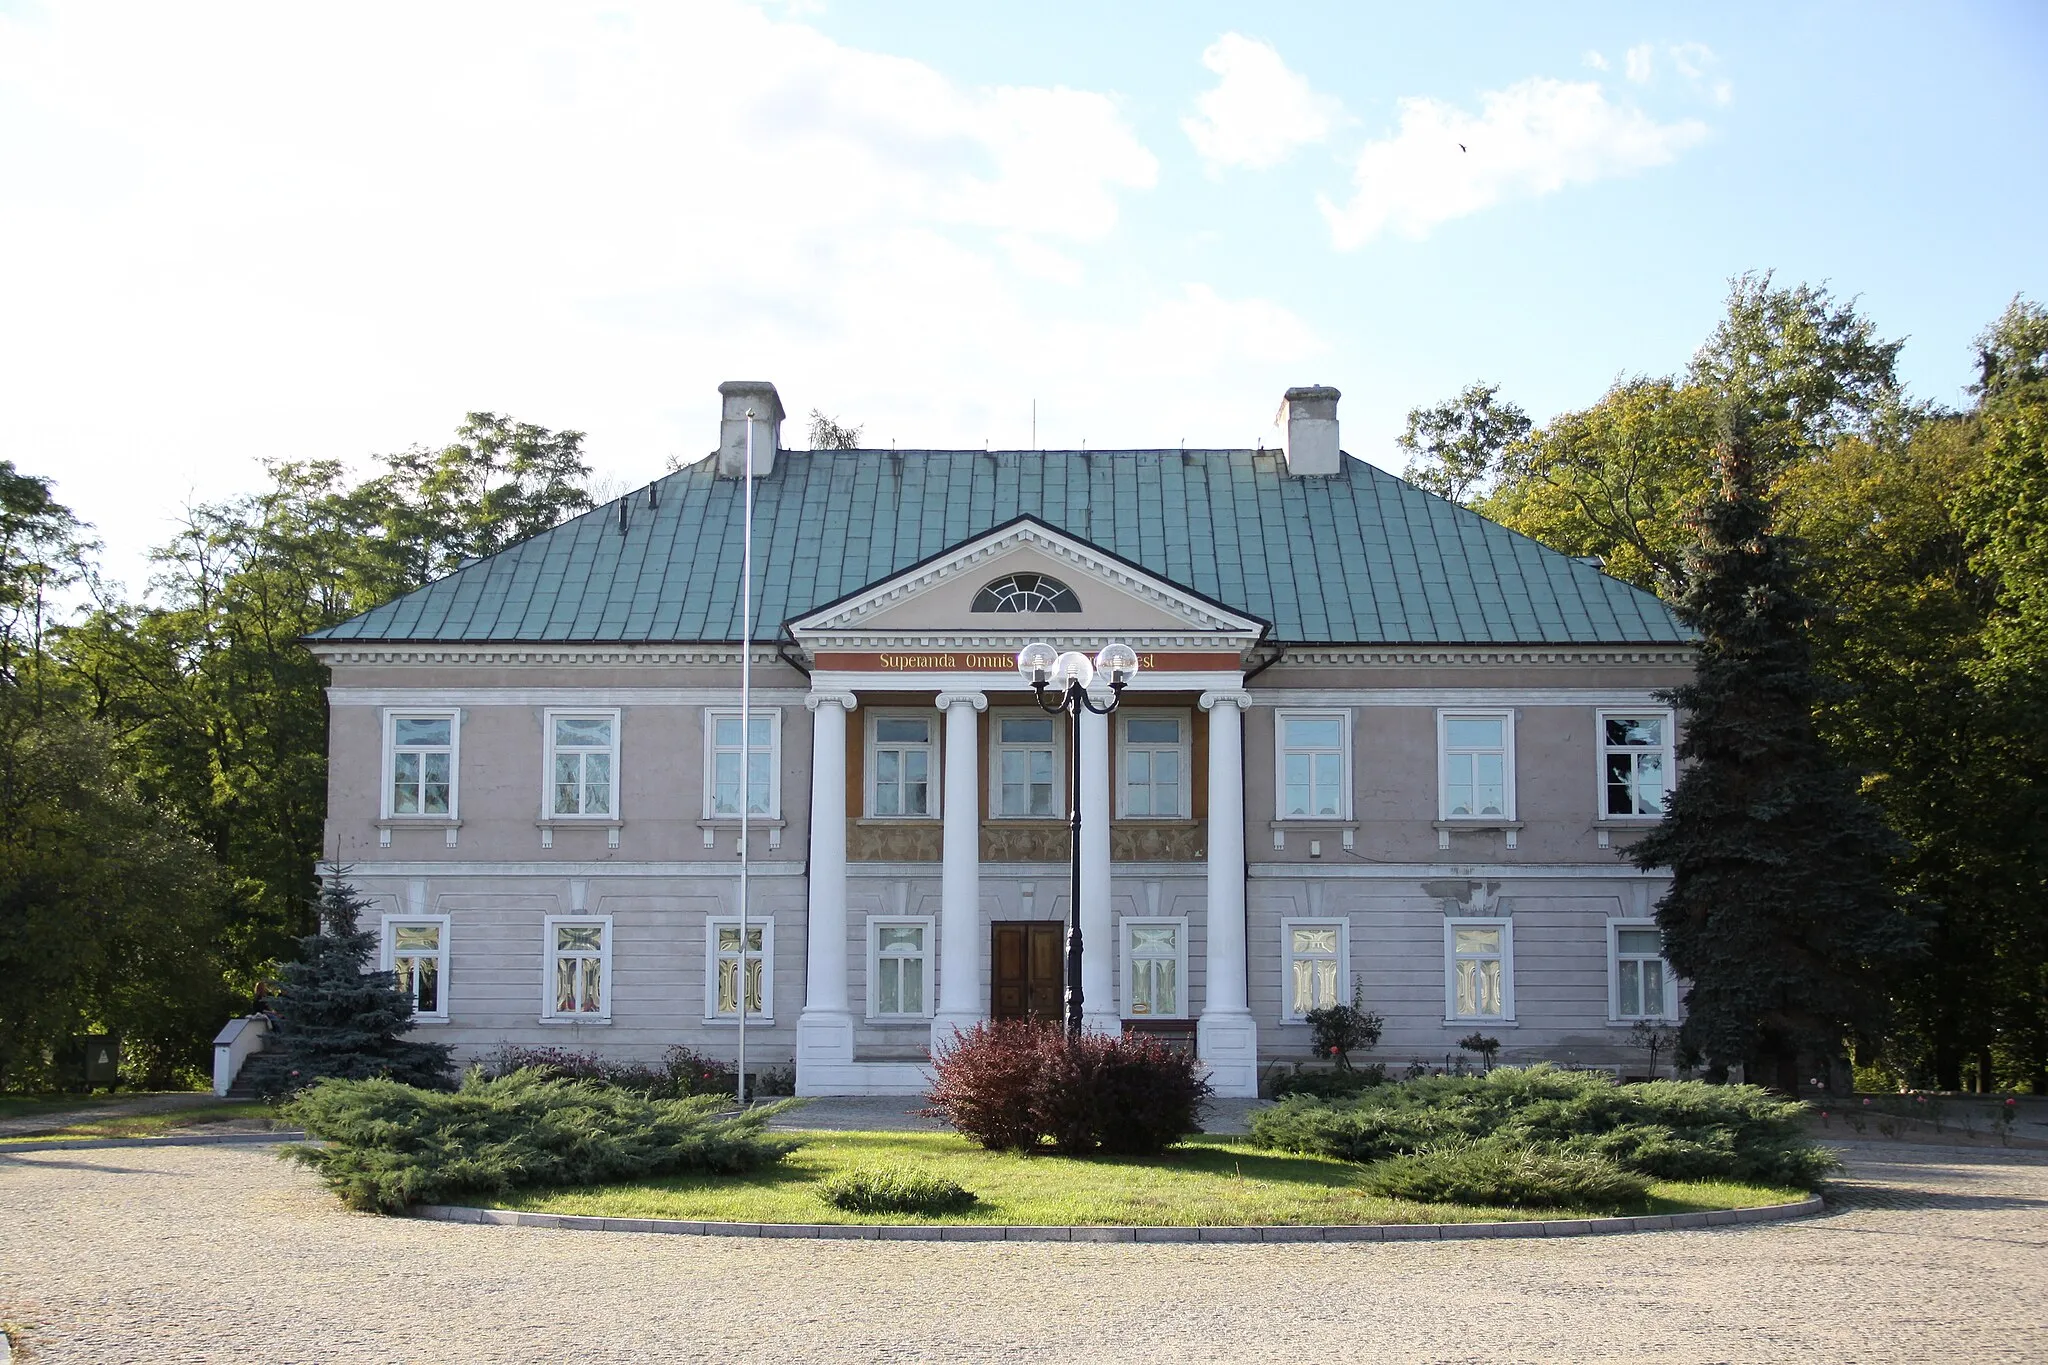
point(392, 1145)
point(1499, 1171)
point(683, 1072)
point(1667, 1130)
point(1015, 1084)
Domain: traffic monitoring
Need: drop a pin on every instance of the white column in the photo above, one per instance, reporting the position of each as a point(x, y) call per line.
point(1099, 1013)
point(960, 998)
point(824, 1031)
point(1225, 1035)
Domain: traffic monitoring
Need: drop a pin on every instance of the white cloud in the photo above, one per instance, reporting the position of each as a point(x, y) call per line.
point(1594, 59)
point(1639, 60)
point(1697, 63)
point(1259, 112)
point(1534, 138)
point(262, 230)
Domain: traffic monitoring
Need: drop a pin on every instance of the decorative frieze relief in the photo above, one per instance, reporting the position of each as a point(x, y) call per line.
point(1012, 843)
point(1157, 843)
point(919, 841)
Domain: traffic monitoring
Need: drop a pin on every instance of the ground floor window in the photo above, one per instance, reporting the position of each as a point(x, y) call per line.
point(723, 957)
point(899, 967)
point(578, 984)
point(416, 952)
point(1315, 954)
point(1479, 976)
point(1155, 968)
point(1641, 977)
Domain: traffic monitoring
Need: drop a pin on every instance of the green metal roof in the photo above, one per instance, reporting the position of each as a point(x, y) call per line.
point(1357, 557)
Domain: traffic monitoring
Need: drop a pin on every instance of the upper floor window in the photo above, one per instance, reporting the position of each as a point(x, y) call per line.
point(419, 763)
point(1475, 751)
point(1027, 592)
point(903, 753)
point(1315, 762)
point(1027, 765)
point(1155, 765)
point(1635, 763)
point(759, 755)
point(582, 763)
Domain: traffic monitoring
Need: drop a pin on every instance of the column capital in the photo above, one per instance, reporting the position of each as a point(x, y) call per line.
point(1237, 697)
point(818, 699)
point(977, 700)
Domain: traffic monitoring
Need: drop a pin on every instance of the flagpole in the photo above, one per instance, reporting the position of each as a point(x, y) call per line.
point(746, 740)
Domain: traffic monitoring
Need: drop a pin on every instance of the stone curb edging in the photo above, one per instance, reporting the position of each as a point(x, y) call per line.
point(196, 1140)
point(972, 1232)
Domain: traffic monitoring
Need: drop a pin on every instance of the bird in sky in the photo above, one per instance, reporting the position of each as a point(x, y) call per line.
point(1461, 146)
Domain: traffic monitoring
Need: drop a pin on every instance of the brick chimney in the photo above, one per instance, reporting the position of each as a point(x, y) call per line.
point(1309, 416)
point(736, 397)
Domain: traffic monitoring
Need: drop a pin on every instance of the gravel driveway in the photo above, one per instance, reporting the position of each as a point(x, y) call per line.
point(226, 1254)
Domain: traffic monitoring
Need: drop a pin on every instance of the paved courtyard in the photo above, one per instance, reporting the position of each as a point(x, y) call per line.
point(227, 1254)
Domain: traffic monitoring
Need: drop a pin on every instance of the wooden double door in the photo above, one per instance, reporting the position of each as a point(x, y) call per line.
point(1028, 976)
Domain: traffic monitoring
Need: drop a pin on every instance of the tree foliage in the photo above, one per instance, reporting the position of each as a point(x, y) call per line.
point(1780, 915)
point(338, 1017)
point(827, 433)
point(1457, 448)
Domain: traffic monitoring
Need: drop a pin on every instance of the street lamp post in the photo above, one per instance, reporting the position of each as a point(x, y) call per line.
point(1060, 682)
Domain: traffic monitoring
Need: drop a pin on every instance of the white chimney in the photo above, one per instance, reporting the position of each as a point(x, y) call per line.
point(737, 397)
point(1309, 416)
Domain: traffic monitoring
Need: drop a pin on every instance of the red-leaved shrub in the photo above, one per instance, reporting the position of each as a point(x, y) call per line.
point(1014, 1084)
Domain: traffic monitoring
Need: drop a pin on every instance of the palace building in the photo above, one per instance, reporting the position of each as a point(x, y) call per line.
point(1378, 748)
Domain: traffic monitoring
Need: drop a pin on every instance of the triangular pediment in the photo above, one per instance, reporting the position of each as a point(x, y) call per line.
point(1109, 594)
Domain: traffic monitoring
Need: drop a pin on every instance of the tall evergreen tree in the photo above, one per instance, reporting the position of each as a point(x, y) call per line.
point(339, 1018)
point(1780, 913)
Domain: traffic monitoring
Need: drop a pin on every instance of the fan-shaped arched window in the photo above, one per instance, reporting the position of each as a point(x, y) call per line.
point(1027, 592)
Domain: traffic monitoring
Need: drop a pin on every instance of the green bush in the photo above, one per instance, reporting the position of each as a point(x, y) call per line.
point(1669, 1130)
point(1332, 1083)
point(392, 1145)
point(893, 1189)
point(1500, 1171)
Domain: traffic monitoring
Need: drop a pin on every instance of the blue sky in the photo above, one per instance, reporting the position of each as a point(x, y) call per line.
point(244, 231)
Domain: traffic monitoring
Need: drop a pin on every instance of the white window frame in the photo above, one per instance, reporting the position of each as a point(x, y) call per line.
point(1601, 749)
point(1180, 970)
point(388, 959)
point(1507, 970)
point(929, 956)
point(996, 717)
point(392, 715)
point(1288, 957)
point(934, 768)
point(766, 926)
point(1614, 1014)
point(1184, 747)
point(1280, 750)
point(548, 1012)
point(549, 716)
point(1506, 716)
point(714, 714)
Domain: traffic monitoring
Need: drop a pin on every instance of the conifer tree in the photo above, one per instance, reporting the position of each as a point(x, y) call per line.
point(337, 1017)
point(1780, 914)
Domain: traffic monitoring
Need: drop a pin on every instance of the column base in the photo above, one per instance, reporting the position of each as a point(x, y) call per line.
point(824, 1042)
point(1228, 1045)
point(1106, 1022)
point(946, 1023)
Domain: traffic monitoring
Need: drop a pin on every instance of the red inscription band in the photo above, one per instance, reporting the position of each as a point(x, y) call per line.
point(974, 661)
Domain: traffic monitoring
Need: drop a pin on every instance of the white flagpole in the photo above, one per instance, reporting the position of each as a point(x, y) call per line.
point(746, 738)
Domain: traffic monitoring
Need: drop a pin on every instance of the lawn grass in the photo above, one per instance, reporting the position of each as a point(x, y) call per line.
point(1206, 1182)
point(143, 1125)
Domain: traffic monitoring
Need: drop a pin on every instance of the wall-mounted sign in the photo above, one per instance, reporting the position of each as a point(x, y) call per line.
point(977, 661)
